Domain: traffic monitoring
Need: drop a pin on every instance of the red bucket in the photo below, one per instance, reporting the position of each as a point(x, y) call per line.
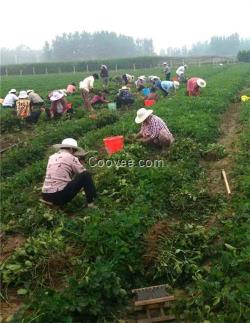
point(149, 103)
point(113, 144)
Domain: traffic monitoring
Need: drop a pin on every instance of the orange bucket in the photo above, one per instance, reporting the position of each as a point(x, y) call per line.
point(113, 144)
point(149, 103)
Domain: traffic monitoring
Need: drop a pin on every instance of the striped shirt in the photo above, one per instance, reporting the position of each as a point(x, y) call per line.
point(153, 126)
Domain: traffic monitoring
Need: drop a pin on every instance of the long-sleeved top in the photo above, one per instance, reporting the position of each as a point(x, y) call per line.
point(167, 85)
point(166, 69)
point(10, 100)
point(62, 167)
point(59, 106)
point(192, 87)
point(104, 71)
point(35, 98)
point(180, 70)
point(153, 126)
point(98, 99)
point(87, 84)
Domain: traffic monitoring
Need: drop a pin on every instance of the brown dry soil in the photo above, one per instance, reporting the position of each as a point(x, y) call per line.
point(11, 140)
point(10, 301)
point(230, 130)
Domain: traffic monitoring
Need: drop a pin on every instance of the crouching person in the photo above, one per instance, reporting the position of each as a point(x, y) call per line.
point(66, 176)
point(154, 130)
point(25, 110)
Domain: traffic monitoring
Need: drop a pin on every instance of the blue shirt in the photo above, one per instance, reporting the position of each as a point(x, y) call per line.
point(167, 85)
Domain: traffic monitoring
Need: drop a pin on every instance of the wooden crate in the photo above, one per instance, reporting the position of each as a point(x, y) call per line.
point(153, 302)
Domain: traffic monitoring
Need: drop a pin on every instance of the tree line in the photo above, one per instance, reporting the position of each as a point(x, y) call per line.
point(217, 45)
point(81, 46)
point(107, 45)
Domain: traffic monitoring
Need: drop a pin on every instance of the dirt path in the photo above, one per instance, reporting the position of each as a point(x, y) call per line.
point(230, 130)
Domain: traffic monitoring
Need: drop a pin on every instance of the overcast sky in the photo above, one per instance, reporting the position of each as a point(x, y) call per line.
point(167, 22)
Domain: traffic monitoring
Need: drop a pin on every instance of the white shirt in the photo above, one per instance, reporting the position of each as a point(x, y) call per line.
point(87, 84)
point(180, 70)
point(10, 100)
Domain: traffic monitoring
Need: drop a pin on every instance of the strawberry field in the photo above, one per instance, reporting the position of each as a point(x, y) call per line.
point(153, 225)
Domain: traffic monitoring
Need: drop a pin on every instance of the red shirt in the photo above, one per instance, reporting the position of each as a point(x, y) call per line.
point(71, 89)
point(193, 88)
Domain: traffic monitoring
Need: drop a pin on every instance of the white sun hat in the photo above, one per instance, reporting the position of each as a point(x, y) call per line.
point(12, 91)
point(125, 88)
point(70, 143)
point(142, 115)
point(28, 91)
point(23, 95)
point(176, 85)
point(201, 83)
point(56, 95)
point(142, 77)
point(165, 63)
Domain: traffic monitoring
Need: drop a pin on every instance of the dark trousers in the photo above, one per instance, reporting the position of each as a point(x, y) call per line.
point(126, 101)
point(168, 76)
point(34, 117)
point(83, 180)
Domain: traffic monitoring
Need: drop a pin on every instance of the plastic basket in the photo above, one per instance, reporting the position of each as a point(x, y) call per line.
point(113, 144)
point(146, 91)
point(149, 103)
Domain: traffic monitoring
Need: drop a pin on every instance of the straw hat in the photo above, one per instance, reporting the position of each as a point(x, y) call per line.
point(56, 95)
point(176, 85)
point(142, 115)
point(71, 143)
point(12, 91)
point(125, 88)
point(201, 83)
point(165, 63)
point(23, 95)
point(28, 91)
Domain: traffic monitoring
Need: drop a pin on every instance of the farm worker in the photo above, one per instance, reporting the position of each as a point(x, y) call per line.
point(180, 72)
point(66, 176)
point(153, 129)
point(35, 99)
point(86, 87)
point(99, 98)
point(152, 95)
point(166, 70)
point(59, 104)
point(25, 110)
point(104, 74)
point(124, 97)
point(167, 86)
point(71, 88)
point(194, 84)
point(140, 82)
point(10, 99)
point(127, 78)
